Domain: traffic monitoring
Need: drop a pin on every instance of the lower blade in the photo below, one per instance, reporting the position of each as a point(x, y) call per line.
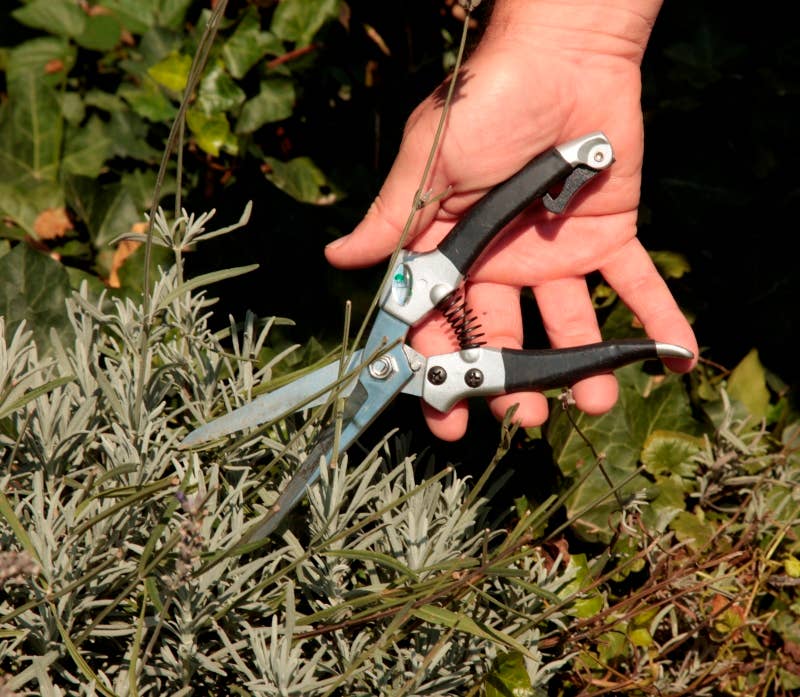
point(308, 472)
point(317, 385)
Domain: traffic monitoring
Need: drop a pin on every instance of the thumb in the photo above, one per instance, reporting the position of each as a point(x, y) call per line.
point(377, 235)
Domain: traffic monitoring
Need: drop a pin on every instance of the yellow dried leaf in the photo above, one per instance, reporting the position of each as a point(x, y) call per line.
point(121, 253)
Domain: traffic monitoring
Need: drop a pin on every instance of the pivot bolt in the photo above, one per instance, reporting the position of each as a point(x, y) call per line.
point(437, 375)
point(473, 377)
point(381, 368)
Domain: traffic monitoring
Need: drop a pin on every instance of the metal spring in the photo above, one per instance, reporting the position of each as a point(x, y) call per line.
point(462, 319)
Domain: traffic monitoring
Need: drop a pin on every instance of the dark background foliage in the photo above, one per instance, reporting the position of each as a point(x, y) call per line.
point(720, 96)
point(719, 99)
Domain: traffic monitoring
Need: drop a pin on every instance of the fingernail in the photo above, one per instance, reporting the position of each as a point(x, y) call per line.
point(337, 243)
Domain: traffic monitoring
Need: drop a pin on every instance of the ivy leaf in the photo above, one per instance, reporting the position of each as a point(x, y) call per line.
point(300, 20)
point(302, 180)
point(274, 102)
point(670, 452)
point(72, 108)
point(508, 677)
point(22, 204)
point(218, 92)
point(47, 59)
point(34, 288)
point(171, 13)
point(670, 264)
point(148, 101)
point(689, 528)
point(644, 406)
point(86, 149)
point(128, 132)
point(108, 211)
point(248, 45)
point(172, 72)
point(31, 125)
point(102, 33)
point(748, 384)
point(137, 16)
point(669, 500)
point(592, 602)
point(213, 133)
point(60, 17)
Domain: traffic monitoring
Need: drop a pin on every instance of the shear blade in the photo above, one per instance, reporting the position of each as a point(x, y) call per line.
point(287, 399)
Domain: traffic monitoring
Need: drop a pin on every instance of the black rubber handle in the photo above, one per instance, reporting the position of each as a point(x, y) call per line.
point(545, 369)
point(493, 212)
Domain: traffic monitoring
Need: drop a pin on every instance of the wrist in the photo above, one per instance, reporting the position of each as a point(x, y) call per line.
point(619, 28)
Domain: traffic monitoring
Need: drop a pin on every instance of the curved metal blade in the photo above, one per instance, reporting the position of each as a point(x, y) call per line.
point(272, 405)
point(369, 398)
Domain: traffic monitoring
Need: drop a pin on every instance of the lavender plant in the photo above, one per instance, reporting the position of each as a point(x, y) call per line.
point(121, 573)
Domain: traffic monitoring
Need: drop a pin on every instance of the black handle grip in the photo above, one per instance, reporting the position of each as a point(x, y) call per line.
point(545, 369)
point(493, 212)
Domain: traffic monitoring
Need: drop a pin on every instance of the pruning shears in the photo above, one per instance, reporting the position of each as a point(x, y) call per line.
point(419, 284)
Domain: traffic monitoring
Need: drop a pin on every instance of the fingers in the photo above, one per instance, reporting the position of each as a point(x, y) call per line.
point(570, 320)
point(633, 275)
point(432, 337)
point(497, 308)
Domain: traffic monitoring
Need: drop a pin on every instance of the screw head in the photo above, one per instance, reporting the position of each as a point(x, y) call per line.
point(473, 377)
point(437, 375)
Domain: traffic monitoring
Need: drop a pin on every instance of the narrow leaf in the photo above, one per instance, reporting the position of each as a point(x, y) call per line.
point(6, 409)
point(205, 280)
point(7, 512)
point(459, 622)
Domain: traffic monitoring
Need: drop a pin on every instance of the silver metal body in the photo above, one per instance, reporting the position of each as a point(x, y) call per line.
point(387, 366)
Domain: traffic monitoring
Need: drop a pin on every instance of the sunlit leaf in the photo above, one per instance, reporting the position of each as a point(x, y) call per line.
point(218, 92)
point(172, 72)
point(641, 637)
point(274, 102)
point(302, 180)
point(34, 288)
point(748, 385)
point(248, 45)
point(791, 566)
point(300, 20)
point(593, 602)
point(213, 133)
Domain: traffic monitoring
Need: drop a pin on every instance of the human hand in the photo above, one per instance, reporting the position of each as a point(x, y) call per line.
point(530, 85)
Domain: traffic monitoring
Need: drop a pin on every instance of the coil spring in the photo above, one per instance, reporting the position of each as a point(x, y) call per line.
point(462, 319)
